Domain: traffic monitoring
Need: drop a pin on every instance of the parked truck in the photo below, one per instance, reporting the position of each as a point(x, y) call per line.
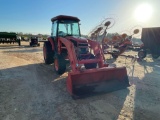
point(6, 37)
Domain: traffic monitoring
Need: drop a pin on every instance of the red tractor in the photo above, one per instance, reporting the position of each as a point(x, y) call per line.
point(89, 74)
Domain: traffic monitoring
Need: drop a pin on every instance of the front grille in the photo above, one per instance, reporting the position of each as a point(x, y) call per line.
point(82, 44)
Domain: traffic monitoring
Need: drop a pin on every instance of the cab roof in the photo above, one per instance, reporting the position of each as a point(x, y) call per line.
point(64, 17)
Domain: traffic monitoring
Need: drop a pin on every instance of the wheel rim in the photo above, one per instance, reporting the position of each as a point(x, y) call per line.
point(56, 64)
point(44, 52)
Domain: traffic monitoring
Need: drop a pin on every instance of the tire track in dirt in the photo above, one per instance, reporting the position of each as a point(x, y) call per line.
point(29, 89)
point(34, 93)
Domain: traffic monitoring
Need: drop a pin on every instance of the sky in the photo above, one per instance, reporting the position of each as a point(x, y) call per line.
point(34, 16)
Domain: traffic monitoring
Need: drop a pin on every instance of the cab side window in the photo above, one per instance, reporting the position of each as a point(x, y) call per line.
point(54, 29)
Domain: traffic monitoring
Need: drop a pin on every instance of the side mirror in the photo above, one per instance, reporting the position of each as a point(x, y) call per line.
point(107, 23)
point(136, 31)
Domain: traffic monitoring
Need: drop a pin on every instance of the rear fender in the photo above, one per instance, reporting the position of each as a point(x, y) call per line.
point(50, 39)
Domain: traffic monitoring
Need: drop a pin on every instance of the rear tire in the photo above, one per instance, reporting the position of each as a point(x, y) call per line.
point(91, 65)
point(48, 53)
point(142, 54)
point(59, 64)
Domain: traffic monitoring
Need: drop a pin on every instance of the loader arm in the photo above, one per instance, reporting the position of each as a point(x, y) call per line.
point(71, 53)
point(98, 53)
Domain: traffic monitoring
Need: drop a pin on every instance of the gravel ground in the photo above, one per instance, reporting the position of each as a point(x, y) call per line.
point(30, 90)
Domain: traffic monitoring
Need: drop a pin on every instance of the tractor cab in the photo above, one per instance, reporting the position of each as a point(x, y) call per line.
point(63, 26)
point(68, 27)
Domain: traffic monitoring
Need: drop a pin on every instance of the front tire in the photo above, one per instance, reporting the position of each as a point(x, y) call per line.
point(48, 54)
point(90, 65)
point(59, 64)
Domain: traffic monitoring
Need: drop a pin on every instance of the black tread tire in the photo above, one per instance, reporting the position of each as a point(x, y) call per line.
point(49, 53)
point(30, 44)
point(61, 64)
point(155, 56)
point(114, 56)
point(19, 42)
point(90, 65)
point(142, 51)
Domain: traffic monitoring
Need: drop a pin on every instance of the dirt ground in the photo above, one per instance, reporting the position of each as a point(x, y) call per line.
point(30, 90)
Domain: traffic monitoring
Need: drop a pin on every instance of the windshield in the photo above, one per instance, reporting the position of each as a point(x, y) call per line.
point(68, 28)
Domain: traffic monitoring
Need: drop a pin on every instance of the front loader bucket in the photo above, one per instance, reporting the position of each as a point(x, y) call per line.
point(93, 81)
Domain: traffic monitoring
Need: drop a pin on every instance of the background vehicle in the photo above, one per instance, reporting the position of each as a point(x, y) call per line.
point(34, 41)
point(6, 37)
point(89, 74)
point(151, 42)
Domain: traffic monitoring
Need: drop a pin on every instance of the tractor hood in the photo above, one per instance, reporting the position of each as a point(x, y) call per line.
point(77, 39)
